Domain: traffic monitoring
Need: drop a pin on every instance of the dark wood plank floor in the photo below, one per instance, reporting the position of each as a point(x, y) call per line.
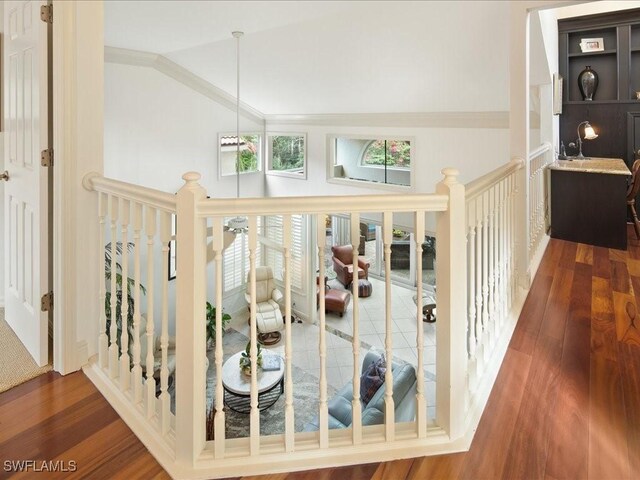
point(566, 403)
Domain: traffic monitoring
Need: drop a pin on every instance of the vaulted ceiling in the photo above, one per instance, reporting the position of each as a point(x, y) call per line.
point(331, 57)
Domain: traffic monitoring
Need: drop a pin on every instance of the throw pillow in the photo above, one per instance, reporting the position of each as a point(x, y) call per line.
point(371, 379)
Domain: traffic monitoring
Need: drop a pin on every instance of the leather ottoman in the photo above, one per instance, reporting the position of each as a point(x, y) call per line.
point(336, 301)
point(364, 288)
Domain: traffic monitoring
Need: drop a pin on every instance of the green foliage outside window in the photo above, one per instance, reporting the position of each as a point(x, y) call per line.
point(393, 153)
point(249, 153)
point(287, 152)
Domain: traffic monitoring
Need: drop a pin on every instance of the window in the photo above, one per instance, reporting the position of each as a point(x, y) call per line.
point(388, 153)
point(250, 157)
point(273, 251)
point(235, 264)
point(286, 155)
point(367, 160)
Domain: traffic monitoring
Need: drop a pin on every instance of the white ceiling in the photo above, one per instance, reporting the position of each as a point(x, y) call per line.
point(164, 26)
point(332, 57)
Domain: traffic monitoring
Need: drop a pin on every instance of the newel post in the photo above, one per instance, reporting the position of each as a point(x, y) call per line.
point(451, 334)
point(190, 322)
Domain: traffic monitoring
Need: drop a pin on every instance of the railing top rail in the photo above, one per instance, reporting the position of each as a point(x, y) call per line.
point(147, 196)
point(480, 185)
point(544, 148)
point(319, 204)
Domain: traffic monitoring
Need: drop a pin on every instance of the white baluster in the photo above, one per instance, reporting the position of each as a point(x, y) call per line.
point(389, 408)
point(478, 282)
point(219, 422)
point(356, 406)
point(125, 361)
point(136, 371)
point(150, 230)
point(254, 425)
point(485, 274)
point(289, 419)
point(471, 243)
point(165, 398)
point(421, 404)
point(113, 331)
point(490, 262)
point(322, 347)
point(103, 340)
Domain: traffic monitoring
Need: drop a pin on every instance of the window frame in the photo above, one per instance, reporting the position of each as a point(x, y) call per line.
point(341, 180)
point(269, 158)
point(259, 152)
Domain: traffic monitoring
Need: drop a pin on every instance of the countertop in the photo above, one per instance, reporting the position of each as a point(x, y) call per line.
point(615, 166)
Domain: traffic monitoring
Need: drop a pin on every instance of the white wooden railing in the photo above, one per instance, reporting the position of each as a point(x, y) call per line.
point(476, 295)
point(539, 159)
point(491, 274)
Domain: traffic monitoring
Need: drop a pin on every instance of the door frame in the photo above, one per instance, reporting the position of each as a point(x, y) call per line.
point(78, 105)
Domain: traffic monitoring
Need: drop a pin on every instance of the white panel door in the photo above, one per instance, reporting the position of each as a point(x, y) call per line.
point(25, 193)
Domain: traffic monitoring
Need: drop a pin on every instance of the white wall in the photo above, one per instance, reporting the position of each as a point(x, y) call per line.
point(156, 129)
point(474, 151)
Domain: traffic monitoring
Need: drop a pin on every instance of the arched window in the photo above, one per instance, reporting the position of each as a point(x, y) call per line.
point(388, 153)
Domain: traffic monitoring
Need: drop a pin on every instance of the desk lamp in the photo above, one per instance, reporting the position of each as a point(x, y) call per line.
point(589, 134)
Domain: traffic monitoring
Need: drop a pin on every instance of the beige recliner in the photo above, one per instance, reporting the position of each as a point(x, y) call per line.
point(268, 316)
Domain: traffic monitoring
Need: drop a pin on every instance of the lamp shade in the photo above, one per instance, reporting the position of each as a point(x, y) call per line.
point(589, 132)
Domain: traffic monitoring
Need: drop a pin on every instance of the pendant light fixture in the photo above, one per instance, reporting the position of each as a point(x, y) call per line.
point(238, 224)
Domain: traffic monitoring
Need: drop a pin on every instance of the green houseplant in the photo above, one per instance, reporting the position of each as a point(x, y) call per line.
point(131, 284)
point(245, 358)
point(211, 323)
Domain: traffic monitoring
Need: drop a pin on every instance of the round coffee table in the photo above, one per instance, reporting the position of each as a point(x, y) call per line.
point(237, 385)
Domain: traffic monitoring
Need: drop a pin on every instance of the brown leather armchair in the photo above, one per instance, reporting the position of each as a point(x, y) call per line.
point(342, 264)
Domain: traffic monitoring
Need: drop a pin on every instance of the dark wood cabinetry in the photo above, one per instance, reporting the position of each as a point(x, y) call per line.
point(614, 109)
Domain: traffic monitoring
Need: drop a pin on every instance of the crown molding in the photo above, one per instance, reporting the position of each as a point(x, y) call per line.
point(180, 74)
point(418, 119)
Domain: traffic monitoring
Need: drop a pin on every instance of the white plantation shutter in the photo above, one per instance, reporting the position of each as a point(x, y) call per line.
point(274, 257)
point(235, 266)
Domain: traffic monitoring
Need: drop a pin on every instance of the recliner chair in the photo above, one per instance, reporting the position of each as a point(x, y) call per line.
point(268, 316)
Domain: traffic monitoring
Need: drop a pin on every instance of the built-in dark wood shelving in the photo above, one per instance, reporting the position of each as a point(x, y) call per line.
point(618, 67)
point(590, 54)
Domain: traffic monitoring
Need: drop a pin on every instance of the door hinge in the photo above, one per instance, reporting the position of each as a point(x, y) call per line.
point(46, 157)
point(46, 13)
point(46, 302)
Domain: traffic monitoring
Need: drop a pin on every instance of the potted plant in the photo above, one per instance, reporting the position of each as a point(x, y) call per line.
point(211, 323)
point(245, 358)
point(119, 283)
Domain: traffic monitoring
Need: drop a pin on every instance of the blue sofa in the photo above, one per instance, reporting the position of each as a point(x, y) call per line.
point(404, 397)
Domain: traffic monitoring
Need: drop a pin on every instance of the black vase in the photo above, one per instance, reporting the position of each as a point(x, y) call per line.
point(588, 83)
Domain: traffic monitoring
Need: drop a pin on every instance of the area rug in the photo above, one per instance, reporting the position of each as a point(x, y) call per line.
point(305, 396)
point(16, 365)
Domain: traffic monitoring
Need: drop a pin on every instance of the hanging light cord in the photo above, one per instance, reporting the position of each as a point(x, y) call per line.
point(237, 36)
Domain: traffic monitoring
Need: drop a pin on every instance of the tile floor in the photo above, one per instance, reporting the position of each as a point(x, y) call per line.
point(305, 339)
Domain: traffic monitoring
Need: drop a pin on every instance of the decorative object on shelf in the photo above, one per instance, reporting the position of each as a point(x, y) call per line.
point(592, 44)
point(588, 83)
point(637, 95)
point(211, 324)
point(557, 94)
point(245, 359)
point(589, 134)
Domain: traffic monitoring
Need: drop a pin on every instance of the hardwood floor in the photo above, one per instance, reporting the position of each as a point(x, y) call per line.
point(566, 403)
